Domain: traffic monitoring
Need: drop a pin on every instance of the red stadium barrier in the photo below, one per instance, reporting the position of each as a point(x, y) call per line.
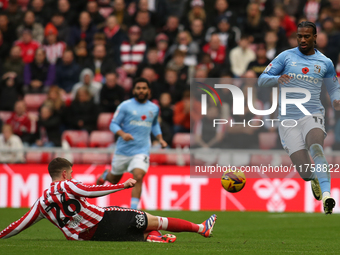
point(169, 188)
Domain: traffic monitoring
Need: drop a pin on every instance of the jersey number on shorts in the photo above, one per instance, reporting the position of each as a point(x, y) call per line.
point(146, 159)
point(316, 120)
point(66, 205)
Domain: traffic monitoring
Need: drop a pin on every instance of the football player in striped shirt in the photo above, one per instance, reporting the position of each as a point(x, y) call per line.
point(64, 204)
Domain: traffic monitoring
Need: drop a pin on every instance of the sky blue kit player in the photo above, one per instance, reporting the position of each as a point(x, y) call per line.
point(305, 67)
point(134, 120)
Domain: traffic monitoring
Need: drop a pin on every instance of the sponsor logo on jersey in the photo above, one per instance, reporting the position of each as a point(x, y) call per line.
point(302, 77)
point(305, 70)
point(317, 69)
point(140, 123)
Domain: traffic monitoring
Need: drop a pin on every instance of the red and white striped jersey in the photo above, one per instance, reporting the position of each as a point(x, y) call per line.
point(64, 204)
point(132, 55)
point(54, 51)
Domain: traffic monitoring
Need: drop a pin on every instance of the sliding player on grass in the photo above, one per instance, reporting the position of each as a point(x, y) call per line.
point(64, 204)
point(307, 68)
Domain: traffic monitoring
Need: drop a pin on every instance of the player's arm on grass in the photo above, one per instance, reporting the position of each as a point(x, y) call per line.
point(31, 217)
point(271, 76)
point(117, 121)
point(81, 190)
point(332, 85)
point(157, 132)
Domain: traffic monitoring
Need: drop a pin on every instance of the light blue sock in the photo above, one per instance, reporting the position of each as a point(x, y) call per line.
point(134, 203)
point(321, 167)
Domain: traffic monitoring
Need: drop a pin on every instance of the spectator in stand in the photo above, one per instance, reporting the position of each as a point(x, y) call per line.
point(60, 24)
point(14, 63)
point(152, 62)
point(84, 31)
point(183, 115)
point(132, 51)
point(67, 72)
point(100, 64)
point(241, 56)
point(20, 122)
point(175, 7)
point(333, 36)
point(261, 61)
point(48, 129)
point(162, 43)
point(206, 135)
point(273, 48)
point(274, 25)
point(171, 28)
point(54, 49)
point(215, 49)
point(8, 140)
point(206, 62)
point(148, 31)
point(100, 39)
point(156, 87)
point(65, 9)
point(221, 10)
point(115, 35)
point(82, 114)
point(55, 102)
point(4, 48)
point(28, 46)
point(96, 17)
point(39, 74)
point(166, 111)
point(111, 94)
point(10, 91)
point(185, 44)
point(172, 86)
point(7, 29)
point(254, 24)
point(123, 17)
point(286, 22)
point(81, 53)
point(36, 28)
point(226, 34)
point(177, 63)
point(197, 32)
point(41, 11)
point(197, 12)
point(14, 13)
point(86, 80)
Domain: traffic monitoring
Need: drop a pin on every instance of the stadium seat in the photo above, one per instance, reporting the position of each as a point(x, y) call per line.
point(76, 138)
point(4, 115)
point(95, 158)
point(34, 101)
point(104, 120)
point(258, 160)
point(174, 159)
point(38, 157)
point(158, 159)
point(267, 140)
point(101, 138)
point(181, 140)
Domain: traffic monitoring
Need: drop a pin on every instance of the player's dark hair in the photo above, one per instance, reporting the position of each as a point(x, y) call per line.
point(57, 165)
point(137, 80)
point(308, 24)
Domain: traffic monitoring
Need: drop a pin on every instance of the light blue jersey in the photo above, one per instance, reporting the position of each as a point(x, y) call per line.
point(139, 120)
point(308, 72)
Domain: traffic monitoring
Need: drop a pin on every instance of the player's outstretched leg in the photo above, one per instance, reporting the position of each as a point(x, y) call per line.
point(102, 178)
point(108, 176)
point(178, 225)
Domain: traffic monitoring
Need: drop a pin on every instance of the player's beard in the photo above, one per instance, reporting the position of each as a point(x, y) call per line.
point(305, 50)
point(142, 99)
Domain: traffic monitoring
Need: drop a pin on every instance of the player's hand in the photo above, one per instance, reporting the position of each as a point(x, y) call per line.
point(127, 137)
point(129, 183)
point(336, 105)
point(284, 78)
point(163, 143)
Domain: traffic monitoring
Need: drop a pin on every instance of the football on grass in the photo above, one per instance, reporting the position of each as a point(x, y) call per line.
point(233, 180)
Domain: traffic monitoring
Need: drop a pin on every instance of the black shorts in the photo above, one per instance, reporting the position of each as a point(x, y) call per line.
point(121, 224)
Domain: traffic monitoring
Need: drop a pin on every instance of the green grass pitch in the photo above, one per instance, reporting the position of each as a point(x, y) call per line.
point(234, 233)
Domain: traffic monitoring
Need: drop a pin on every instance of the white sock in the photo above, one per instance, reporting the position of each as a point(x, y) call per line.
point(162, 223)
point(200, 228)
point(326, 194)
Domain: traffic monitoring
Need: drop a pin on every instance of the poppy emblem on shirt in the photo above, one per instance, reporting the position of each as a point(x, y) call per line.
point(305, 70)
point(143, 117)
